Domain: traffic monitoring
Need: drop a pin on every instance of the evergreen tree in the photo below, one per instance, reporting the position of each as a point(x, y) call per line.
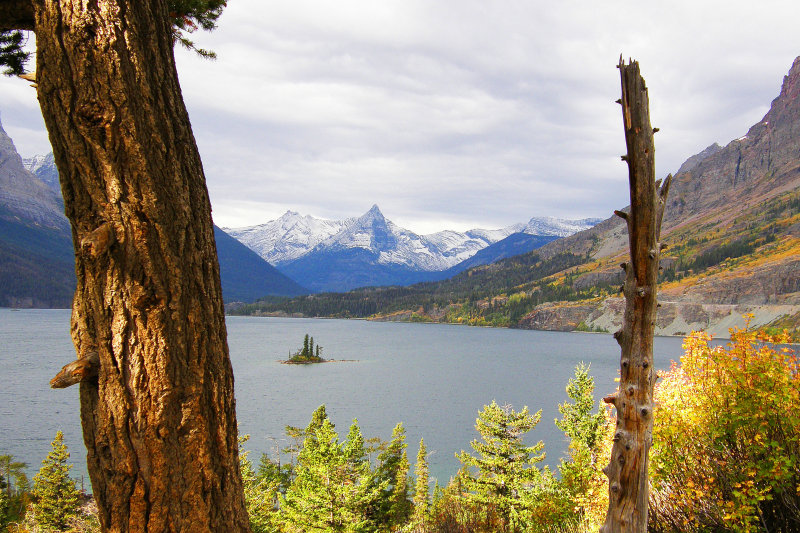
point(107, 57)
point(311, 346)
point(333, 486)
point(14, 490)
point(505, 467)
point(579, 423)
point(12, 474)
point(394, 506)
point(421, 498)
point(305, 346)
point(12, 54)
point(582, 480)
point(56, 498)
point(318, 417)
point(260, 494)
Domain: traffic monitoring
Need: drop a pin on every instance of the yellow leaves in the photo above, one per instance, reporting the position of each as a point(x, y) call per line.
point(726, 429)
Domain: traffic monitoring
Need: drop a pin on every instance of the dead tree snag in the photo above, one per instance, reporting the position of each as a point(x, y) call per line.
point(628, 486)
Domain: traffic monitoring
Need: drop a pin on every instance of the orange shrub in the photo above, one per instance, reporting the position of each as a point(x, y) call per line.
point(726, 440)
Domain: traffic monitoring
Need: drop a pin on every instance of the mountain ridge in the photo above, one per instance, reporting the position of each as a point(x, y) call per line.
point(732, 226)
point(370, 249)
point(37, 267)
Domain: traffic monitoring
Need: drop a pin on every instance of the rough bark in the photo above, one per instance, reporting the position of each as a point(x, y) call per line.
point(627, 470)
point(159, 422)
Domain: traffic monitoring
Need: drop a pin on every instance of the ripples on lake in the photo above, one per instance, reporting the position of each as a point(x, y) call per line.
point(434, 378)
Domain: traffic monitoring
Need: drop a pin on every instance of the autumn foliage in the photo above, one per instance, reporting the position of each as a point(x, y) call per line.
point(726, 441)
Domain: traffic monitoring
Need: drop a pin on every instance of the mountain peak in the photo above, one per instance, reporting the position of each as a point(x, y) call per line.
point(557, 227)
point(373, 215)
point(696, 159)
point(23, 193)
point(787, 100)
point(794, 73)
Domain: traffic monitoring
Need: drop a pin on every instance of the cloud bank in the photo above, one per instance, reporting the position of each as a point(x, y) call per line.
point(456, 114)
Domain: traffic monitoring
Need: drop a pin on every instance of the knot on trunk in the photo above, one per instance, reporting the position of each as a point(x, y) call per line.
point(98, 241)
point(83, 369)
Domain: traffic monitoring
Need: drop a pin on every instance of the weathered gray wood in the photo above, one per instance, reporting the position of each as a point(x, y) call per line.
point(627, 471)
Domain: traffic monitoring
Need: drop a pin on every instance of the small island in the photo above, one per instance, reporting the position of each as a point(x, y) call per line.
point(308, 355)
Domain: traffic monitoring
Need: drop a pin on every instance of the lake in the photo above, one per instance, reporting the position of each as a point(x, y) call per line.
point(432, 377)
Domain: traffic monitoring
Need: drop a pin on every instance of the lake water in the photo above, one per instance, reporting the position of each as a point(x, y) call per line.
point(434, 378)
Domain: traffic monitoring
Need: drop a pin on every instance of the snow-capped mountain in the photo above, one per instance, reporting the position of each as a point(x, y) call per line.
point(293, 236)
point(398, 246)
point(457, 247)
point(287, 238)
point(44, 167)
point(557, 227)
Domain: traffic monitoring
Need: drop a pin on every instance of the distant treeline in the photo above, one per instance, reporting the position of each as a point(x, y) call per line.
point(502, 293)
point(512, 275)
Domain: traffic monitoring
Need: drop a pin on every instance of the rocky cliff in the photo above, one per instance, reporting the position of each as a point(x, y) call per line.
point(745, 193)
point(22, 194)
point(36, 259)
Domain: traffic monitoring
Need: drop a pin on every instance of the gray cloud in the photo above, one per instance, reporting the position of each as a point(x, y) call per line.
point(459, 114)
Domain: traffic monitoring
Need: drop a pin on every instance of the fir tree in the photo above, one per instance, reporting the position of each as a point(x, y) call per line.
point(12, 474)
point(579, 422)
point(12, 55)
point(108, 57)
point(505, 467)
point(56, 498)
point(260, 494)
point(305, 351)
point(421, 498)
point(584, 484)
point(333, 486)
point(394, 506)
point(14, 490)
point(318, 417)
point(187, 17)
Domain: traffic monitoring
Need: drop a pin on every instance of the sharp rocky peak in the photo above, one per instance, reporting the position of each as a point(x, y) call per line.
point(374, 212)
point(786, 107)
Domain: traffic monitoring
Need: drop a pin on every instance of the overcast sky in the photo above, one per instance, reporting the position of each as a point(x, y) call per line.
point(454, 114)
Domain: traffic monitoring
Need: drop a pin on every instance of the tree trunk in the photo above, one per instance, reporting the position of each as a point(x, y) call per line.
point(627, 471)
point(159, 423)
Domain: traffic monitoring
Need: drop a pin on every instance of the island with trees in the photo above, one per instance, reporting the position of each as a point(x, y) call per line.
point(307, 355)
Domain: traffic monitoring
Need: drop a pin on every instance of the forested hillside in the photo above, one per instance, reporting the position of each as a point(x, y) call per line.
point(732, 227)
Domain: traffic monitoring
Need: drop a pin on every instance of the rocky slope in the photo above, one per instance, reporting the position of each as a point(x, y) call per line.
point(22, 194)
point(732, 227)
point(36, 260)
point(745, 192)
point(36, 254)
point(44, 168)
